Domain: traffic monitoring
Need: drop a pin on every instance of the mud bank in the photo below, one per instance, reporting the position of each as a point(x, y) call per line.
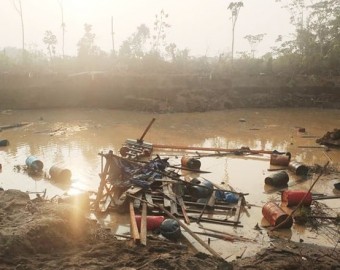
point(166, 93)
point(46, 235)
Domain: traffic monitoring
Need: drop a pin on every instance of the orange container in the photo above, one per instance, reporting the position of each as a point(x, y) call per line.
point(190, 163)
point(280, 159)
point(275, 215)
point(152, 222)
point(294, 197)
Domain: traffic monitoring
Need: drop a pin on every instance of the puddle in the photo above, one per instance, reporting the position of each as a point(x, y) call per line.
point(75, 137)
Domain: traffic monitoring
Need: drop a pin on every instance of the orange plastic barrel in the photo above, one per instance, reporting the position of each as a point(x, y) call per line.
point(152, 222)
point(275, 215)
point(190, 163)
point(59, 172)
point(294, 197)
point(280, 159)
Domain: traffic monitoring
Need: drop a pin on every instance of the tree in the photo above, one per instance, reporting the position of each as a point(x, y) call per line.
point(86, 46)
point(160, 26)
point(88, 53)
point(63, 26)
point(50, 40)
point(18, 7)
point(134, 46)
point(235, 9)
point(253, 41)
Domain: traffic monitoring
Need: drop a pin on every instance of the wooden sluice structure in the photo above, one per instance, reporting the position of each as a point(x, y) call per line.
point(154, 185)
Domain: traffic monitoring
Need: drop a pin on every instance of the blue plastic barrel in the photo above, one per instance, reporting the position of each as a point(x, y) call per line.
point(34, 164)
point(4, 142)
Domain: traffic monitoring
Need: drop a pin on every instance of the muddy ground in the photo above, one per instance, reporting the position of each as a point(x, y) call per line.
point(164, 93)
point(49, 235)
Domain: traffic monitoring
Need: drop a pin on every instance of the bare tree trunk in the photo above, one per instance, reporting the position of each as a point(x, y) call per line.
point(62, 26)
point(22, 28)
point(112, 35)
point(19, 10)
point(232, 47)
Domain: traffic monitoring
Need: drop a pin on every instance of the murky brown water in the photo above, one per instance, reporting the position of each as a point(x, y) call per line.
point(77, 136)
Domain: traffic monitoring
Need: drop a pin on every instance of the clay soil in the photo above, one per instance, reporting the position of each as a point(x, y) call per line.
point(48, 235)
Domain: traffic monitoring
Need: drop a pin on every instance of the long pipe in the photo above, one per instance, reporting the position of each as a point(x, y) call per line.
point(245, 149)
point(146, 130)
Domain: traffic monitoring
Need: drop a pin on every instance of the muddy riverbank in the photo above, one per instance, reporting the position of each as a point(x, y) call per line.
point(166, 93)
point(48, 235)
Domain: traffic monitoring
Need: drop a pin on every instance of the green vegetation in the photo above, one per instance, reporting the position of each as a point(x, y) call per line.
point(314, 48)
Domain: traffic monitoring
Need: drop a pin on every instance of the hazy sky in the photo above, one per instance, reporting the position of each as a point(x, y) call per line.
point(202, 26)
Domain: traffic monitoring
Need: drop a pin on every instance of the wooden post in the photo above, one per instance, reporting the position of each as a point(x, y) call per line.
point(186, 228)
point(143, 226)
point(133, 225)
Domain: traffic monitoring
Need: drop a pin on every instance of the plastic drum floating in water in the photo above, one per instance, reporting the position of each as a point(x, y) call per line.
point(4, 142)
point(276, 216)
point(280, 159)
point(294, 197)
point(298, 168)
point(279, 179)
point(59, 172)
point(34, 164)
point(190, 163)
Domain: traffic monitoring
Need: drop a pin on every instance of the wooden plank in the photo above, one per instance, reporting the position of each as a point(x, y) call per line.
point(212, 199)
point(137, 202)
point(172, 196)
point(148, 198)
point(104, 204)
point(238, 210)
point(133, 190)
point(133, 225)
point(184, 211)
point(166, 192)
point(143, 226)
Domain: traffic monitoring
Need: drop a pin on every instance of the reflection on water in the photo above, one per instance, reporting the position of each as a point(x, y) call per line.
point(75, 137)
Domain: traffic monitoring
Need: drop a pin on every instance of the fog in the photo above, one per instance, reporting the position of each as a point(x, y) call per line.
point(204, 27)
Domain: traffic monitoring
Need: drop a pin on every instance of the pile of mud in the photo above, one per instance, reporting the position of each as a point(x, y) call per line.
point(331, 138)
point(46, 235)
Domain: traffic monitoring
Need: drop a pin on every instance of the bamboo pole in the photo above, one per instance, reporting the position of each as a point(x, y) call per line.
point(133, 224)
point(146, 130)
point(143, 226)
point(242, 150)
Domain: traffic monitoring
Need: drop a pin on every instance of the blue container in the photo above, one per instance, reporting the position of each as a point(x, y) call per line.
point(200, 189)
point(170, 229)
point(34, 164)
point(4, 142)
point(227, 197)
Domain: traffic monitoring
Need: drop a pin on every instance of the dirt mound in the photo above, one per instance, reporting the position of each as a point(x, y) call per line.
point(331, 138)
point(45, 235)
point(288, 255)
point(28, 228)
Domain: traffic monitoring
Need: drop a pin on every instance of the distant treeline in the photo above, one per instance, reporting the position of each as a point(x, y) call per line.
point(314, 49)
